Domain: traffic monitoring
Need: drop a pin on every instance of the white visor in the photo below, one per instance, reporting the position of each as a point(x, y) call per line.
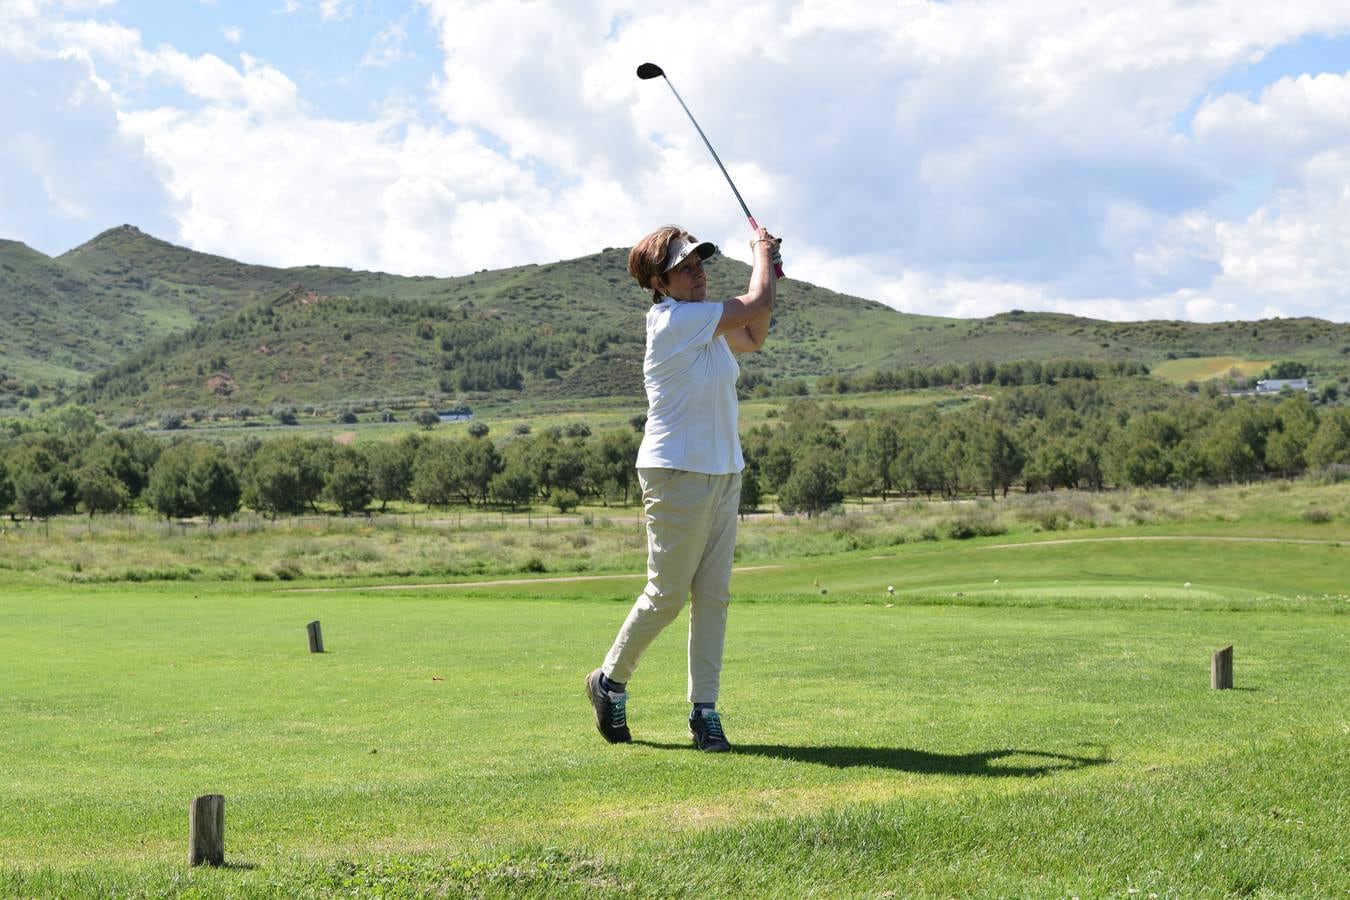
point(679, 251)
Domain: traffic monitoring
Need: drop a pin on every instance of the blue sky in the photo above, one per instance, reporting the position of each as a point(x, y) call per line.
point(1166, 159)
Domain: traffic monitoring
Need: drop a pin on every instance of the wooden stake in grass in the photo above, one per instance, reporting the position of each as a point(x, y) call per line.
point(315, 637)
point(1221, 669)
point(206, 830)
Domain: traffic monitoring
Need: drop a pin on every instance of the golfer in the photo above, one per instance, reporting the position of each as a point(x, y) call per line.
point(689, 466)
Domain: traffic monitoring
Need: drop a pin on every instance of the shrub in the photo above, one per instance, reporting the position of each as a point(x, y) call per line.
point(564, 500)
point(287, 570)
point(975, 525)
point(1051, 520)
point(1333, 474)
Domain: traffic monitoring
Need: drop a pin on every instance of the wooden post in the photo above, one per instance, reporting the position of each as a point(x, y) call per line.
point(1221, 669)
point(206, 831)
point(315, 637)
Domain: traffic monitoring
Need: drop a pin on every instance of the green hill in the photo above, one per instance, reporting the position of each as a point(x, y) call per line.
point(139, 324)
point(71, 315)
point(59, 322)
point(573, 328)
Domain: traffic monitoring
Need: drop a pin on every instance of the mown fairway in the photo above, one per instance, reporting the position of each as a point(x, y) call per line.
point(1202, 367)
point(1050, 734)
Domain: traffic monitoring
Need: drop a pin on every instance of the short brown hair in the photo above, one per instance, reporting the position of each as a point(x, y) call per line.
point(648, 256)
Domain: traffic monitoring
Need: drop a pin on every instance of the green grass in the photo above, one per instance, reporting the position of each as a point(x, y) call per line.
point(1202, 368)
point(1050, 735)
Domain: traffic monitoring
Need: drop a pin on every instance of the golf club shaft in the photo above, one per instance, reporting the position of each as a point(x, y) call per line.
point(754, 226)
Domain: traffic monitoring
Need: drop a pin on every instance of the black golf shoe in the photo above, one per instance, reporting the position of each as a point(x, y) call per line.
point(706, 730)
point(611, 713)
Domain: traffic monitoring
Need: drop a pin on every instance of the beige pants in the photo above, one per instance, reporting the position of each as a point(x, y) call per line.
point(691, 536)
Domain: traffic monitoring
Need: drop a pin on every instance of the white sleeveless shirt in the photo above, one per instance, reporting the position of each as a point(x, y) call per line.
point(690, 377)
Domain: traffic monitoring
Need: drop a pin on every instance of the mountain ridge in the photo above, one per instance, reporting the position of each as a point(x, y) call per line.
point(137, 323)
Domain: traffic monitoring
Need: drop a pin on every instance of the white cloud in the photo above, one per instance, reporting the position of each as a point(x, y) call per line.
point(331, 10)
point(65, 165)
point(386, 48)
point(257, 86)
point(327, 10)
point(232, 33)
point(955, 158)
point(1293, 119)
point(384, 195)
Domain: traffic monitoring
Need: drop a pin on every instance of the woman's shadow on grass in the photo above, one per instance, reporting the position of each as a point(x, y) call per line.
point(1010, 763)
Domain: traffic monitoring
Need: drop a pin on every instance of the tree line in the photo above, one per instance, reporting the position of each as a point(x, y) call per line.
point(48, 473)
point(1075, 433)
point(1008, 374)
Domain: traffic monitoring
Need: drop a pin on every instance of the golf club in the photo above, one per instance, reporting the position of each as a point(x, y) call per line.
point(647, 71)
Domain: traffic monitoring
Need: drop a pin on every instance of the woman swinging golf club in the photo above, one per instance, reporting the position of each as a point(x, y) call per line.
point(689, 466)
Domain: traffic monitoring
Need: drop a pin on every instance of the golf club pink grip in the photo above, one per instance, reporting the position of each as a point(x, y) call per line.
point(754, 226)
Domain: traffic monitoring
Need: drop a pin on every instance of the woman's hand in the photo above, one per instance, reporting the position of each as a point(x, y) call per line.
point(771, 244)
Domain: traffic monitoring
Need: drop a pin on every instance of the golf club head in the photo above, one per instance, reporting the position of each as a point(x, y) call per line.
point(649, 70)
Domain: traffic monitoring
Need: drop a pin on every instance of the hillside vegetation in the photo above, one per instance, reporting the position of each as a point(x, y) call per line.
point(135, 324)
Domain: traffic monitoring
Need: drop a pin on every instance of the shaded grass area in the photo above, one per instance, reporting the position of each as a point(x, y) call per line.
point(929, 748)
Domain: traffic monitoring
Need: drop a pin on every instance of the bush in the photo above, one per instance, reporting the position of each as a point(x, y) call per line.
point(1318, 516)
point(287, 570)
point(1333, 474)
point(564, 500)
point(975, 525)
point(1051, 520)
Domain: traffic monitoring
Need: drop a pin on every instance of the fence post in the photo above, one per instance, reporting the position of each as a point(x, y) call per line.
point(206, 830)
point(315, 637)
point(1221, 669)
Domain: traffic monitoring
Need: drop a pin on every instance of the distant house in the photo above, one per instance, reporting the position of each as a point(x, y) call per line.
point(1275, 385)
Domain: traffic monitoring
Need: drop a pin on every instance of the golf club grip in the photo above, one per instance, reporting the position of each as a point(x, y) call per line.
point(754, 226)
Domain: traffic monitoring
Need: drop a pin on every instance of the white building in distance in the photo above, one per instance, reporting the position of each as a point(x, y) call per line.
point(1275, 385)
